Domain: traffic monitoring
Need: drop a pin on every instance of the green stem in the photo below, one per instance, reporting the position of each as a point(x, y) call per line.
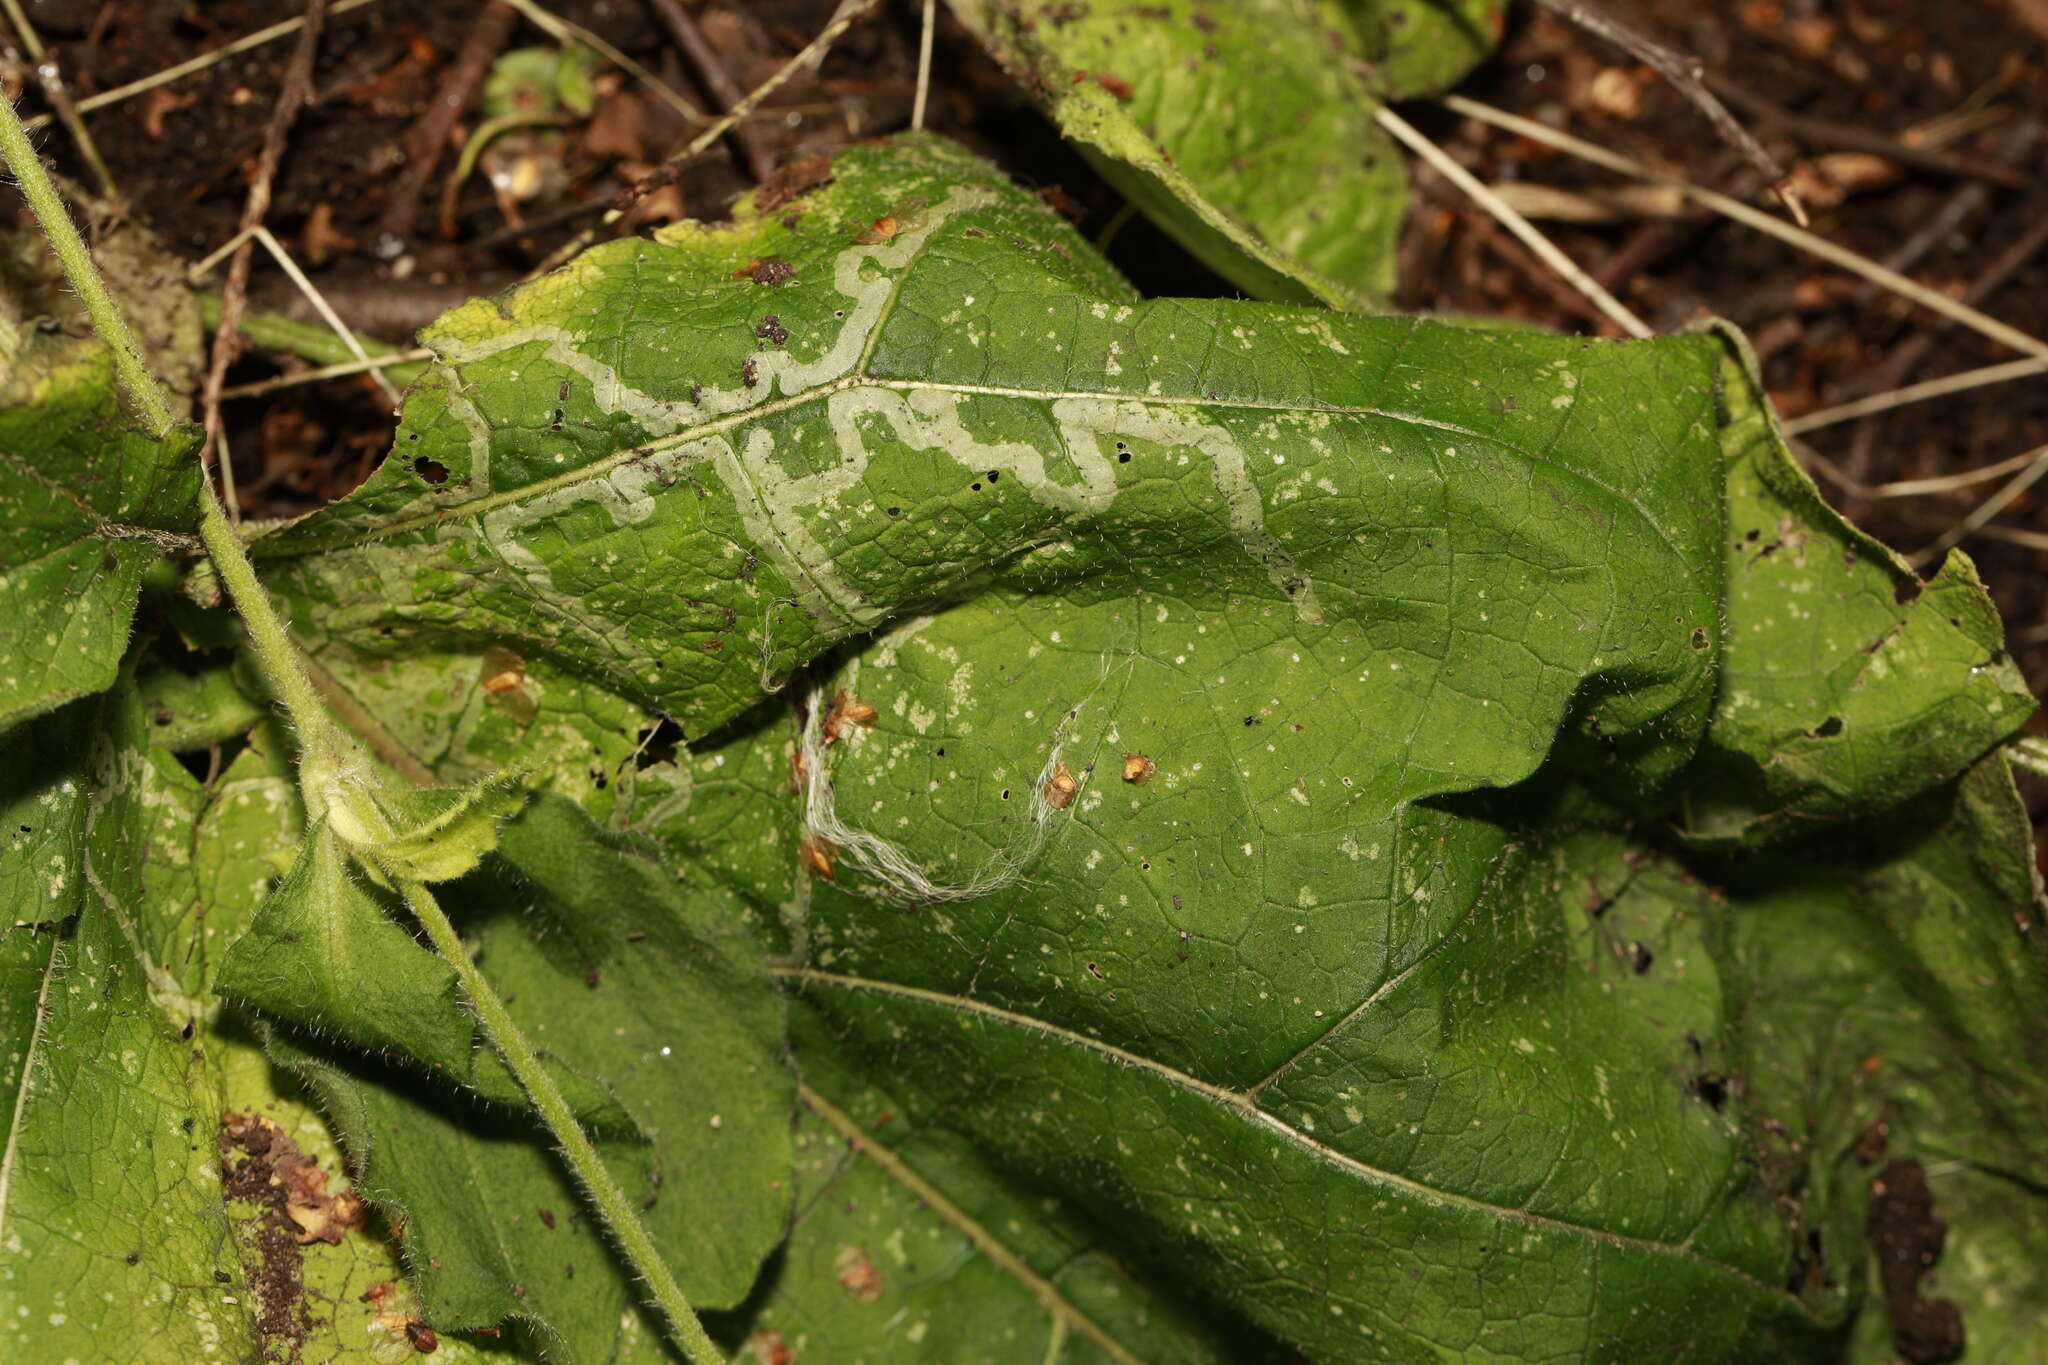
point(322, 746)
point(267, 635)
point(589, 1168)
point(48, 207)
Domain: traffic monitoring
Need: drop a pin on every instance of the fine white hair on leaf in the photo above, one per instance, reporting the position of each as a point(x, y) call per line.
point(890, 866)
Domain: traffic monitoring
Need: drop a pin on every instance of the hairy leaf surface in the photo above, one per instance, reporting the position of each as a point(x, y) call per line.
point(907, 1246)
point(90, 502)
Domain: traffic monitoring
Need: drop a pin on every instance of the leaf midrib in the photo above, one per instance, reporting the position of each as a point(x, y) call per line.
point(1057, 1306)
point(1246, 1107)
point(604, 465)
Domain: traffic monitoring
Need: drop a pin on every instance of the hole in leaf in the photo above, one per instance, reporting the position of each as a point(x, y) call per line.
point(1907, 590)
point(658, 744)
point(1828, 728)
point(433, 471)
point(1711, 1088)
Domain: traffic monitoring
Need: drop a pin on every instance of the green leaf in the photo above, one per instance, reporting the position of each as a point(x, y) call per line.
point(1848, 686)
point(1238, 752)
point(1246, 129)
point(618, 529)
point(341, 1300)
point(435, 835)
point(1894, 992)
point(110, 1196)
point(193, 710)
point(625, 982)
point(1337, 1035)
point(1419, 47)
point(490, 1223)
point(324, 952)
point(89, 503)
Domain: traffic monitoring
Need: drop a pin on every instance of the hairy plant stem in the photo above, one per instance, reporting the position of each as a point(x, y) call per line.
point(323, 748)
point(48, 207)
point(598, 1186)
point(330, 761)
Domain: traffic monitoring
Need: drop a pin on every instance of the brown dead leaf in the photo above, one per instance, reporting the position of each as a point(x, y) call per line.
point(800, 176)
point(160, 103)
point(617, 129)
point(320, 239)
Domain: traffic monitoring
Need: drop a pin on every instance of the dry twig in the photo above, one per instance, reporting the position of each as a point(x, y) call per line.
point(1514, 222)
point(924, 64)
point(314, 376)
point(2037, 465)
point(1859, 138)
point(1917, 393)
point(725, 92)
point(671, 170)
point(1686, 75)
point(1906, 488)
point(465, 76)
point(234, 294)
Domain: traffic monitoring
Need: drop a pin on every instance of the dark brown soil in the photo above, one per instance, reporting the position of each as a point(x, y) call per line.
point(1912, 71)
point(1907, 1237)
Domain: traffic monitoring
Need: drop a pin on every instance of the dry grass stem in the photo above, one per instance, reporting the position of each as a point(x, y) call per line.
point(1514, 222)
point(924, 64)
point(325, 372)
point(2037, 465)
point(1916, 393)
point(1762, 222)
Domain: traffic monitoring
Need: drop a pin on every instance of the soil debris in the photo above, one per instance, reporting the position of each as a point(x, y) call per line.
point(1907, 1237)
point(262, 1165)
